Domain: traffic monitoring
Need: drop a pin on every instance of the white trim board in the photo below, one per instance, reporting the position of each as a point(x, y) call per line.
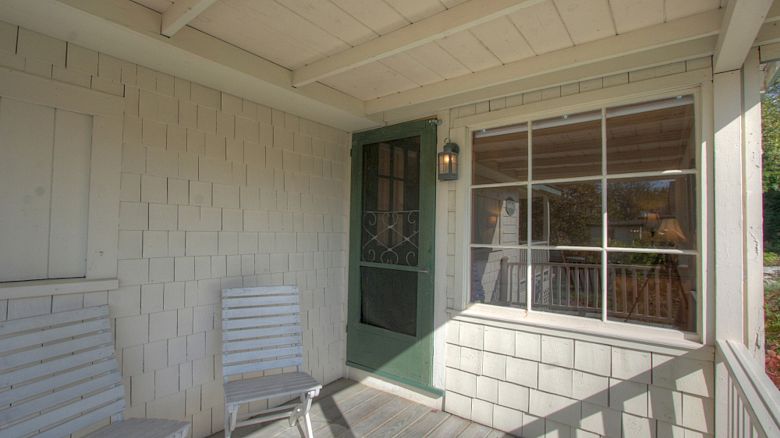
point(652, 58)
point(588, 99)
point(105, 161)
point(43, 288)
point(395, 388)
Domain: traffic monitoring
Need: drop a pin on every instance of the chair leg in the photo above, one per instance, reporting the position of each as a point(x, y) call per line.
point(307, 415)
point(228, 430)
point(231, 415)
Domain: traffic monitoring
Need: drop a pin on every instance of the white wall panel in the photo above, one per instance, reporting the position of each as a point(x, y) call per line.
point(26, 137)
point(70, 195)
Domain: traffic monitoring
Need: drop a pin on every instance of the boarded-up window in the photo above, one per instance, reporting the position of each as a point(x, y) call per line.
point(44, 191)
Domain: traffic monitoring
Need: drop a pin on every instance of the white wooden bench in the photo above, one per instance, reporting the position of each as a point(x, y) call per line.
point(261, 331)
point(58, 375)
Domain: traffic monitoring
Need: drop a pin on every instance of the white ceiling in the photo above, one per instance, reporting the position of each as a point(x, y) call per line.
point(296, 33)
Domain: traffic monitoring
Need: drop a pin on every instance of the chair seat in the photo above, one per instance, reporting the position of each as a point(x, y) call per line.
point(277, 385)
point(144, 428)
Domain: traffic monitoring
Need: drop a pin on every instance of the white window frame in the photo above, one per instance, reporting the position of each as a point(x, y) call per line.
point(107, 112)
point(697, 85)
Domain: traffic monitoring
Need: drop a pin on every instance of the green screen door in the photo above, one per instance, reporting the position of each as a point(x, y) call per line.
point(390, 320)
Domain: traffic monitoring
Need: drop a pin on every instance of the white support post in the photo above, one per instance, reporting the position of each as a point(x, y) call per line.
point(754, 237)
point(729, 227)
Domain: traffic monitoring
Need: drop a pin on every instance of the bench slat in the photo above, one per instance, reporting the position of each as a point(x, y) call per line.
point(260, 311)
point(259, 301)
point(228, 347)
point(259, 290)
point(229, 324)
point(64, 412)
point(46, 368)
point(39, 404)
point(37, 322)
point(229, 359)
point(53, 334)
point(85, 420)
point(53, 382)
point(233, 335)
point(50, 351)
point(261, 366)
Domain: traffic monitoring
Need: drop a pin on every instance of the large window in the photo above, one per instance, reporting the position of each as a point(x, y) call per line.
point(591, 214)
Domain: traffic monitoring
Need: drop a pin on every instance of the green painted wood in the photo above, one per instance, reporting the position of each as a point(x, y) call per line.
point(408, 359)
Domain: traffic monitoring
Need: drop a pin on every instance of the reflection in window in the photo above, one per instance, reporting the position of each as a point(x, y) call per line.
point(500, 155)
point(567, 146)
point(643, 169)
point(498, 276)
point(652, 289)
point(653, 136)
point(654, 212)
point(567, 282)
point(499, 216)
point(568, 213)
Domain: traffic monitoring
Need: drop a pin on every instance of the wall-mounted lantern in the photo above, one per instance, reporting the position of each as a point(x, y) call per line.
point(510, 206)
point(448, 162)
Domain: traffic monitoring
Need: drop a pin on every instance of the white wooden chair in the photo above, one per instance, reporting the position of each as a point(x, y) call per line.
point(58, 375)
point(261, 331)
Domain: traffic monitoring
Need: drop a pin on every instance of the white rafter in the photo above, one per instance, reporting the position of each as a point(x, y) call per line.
point(453, 20)
point(741, 23)
point(181, 13)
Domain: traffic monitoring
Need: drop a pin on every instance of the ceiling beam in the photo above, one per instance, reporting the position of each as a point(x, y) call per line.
point(131, 32)
point(180, 13)
point(741, 24)
point(617, 48)
point(453, 20)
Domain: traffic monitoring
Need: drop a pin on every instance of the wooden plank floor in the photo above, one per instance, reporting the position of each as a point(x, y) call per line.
point(346, 409)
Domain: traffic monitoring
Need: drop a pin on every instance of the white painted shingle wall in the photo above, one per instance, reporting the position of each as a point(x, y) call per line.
point(216, 191)
point(534, 383)
point(544, 382)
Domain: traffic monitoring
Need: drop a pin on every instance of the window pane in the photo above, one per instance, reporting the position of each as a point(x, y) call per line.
point(570, 211)
point(391, 202)
point(567, 282)
point(500, 155)
point(388, 299)
point(652, 289)
point(499, 216)
point(498, 276)
point(656, 212)
point(651, 136)
point(567, 146)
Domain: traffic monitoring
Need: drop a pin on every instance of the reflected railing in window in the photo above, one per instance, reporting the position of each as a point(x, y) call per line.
point(649, 289)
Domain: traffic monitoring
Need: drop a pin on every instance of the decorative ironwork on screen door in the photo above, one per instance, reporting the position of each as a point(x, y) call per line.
point(391, 202)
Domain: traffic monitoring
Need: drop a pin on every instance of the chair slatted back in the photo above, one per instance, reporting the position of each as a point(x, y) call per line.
point(58, 373)
point(261, 329)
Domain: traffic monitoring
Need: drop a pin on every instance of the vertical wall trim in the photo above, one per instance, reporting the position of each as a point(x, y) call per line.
point(754, 245)
point(729, 241)
point(729, 230)
point(440, 262)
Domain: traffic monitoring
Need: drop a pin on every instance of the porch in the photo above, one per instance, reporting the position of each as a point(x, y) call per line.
point(534, 217)
point(346, 408)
